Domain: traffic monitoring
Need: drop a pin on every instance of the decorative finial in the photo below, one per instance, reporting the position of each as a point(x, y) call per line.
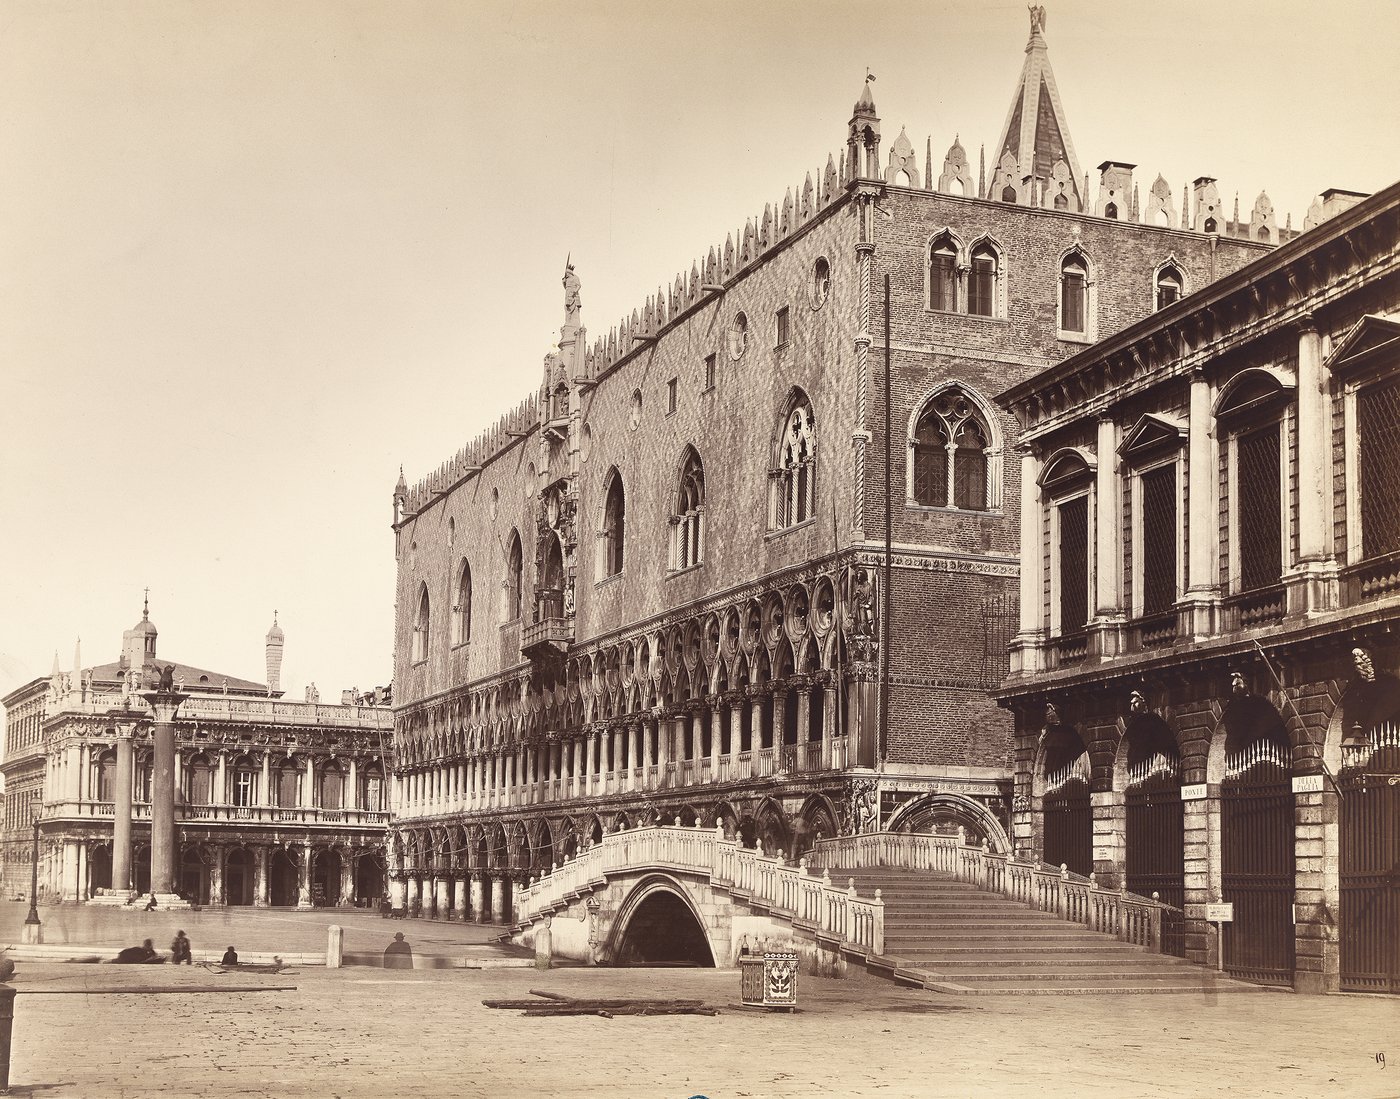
point(146, 605)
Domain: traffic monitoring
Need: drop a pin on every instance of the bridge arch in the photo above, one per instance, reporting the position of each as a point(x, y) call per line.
point(659, 923)
point(926, 813)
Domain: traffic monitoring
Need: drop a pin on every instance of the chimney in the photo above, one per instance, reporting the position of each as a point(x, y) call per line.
point(1336, 201)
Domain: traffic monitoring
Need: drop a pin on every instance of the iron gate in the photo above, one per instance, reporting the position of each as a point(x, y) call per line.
point(1069, 820)
point(1155, 861)
point(1256, 868)
point(1370, 865)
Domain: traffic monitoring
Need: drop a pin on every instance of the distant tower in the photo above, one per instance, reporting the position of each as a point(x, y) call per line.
point(400, 498)
point(139, 642)
point(863, 137)
point(274, 656)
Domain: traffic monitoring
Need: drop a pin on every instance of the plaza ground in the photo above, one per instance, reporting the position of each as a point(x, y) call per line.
point(98, 1030)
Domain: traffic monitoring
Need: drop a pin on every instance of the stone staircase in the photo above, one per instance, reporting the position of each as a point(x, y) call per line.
point(949, 936)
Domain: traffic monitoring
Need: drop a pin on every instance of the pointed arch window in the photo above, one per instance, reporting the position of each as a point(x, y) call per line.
point(1170, 285)
point(1074, 295)
point(794, 480)
point(420, 626)
point(513, 578)
point(984, 281)
point(943, 275)
point(688, 521)
point(951, 455)
point(462, 605)
point(614, 533)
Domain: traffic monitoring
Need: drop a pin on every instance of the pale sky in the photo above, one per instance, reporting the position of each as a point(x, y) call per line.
point(256, 255)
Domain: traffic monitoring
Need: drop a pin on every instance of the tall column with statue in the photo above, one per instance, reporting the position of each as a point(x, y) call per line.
point(164, 702)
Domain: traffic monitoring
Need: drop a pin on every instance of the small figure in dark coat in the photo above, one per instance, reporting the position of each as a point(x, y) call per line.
point(230, 957)
point(180, 950)
point(398, 954)
point(151, 903)
point(145, 954)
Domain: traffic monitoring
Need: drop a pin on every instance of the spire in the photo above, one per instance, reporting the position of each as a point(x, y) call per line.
point(78, 654)
point(1036, 134)
point(56, 669)
point(863, 136)
point(275, 640)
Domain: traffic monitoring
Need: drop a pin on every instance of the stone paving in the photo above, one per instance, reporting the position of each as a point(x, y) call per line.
point(98, 1031)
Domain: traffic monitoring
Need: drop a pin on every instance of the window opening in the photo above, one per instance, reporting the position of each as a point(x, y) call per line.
point(1159, 563)
point(1259, 508)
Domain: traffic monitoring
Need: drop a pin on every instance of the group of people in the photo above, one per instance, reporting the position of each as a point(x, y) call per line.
point(180, 951)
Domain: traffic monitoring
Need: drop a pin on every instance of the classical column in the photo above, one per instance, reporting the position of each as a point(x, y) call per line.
point(164, 704)
point(220, 796)
point(716, 736)
point(1312, 585)
point(305, 865)
point(498, 899)
point(755, 696)
point(265, 787)
point(444, 899)
point(829, 720)
point(414, 900)
point(478, 905)
point(803, 687)
point(347, 880)
point(1202, 577)
point(68, 885)
point(397, 892)
point(261, 884)
point(1025, 647)
point(1107, 520)
point(311, 797)
point(121, 818)
point(735, 699)
point(631, 754)
point(216, 875)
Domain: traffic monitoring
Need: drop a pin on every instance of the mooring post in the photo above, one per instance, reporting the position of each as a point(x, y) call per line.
point(335, 946)
point(7, 1022)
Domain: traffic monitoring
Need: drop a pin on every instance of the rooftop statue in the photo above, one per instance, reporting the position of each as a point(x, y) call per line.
point(572, 305)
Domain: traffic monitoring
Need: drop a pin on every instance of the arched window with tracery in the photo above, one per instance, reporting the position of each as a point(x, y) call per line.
point(794, 478)
point(462, 605)
point(688, 521)
point(1076, 315)
point(1169, 285)
point(984, 281)
point(943, 274)
point(614, 532)
point(951, 452)
point(420, 626)
point(513, 578)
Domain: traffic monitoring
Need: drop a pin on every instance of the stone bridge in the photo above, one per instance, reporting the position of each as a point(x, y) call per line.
point(674, 894)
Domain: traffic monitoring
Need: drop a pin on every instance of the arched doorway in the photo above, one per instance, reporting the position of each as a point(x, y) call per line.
point(99, 868)
point(944, 814)
point(1369, 836)
point(1256, 844)
point(194, 874)
point(282, 879)
point(1068, 836)
point(238, 877)
point(141, 868)
point(369, 878)
point(658, 927)
point(325, 881)
point(1155, 830)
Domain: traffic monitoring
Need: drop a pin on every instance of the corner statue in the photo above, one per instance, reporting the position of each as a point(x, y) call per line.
point(572, 306)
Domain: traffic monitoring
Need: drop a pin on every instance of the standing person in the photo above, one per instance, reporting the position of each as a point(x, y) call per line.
point(180, 950)
point(398, 954)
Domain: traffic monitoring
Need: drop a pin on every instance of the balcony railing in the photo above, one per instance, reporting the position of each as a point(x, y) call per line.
point(1156, 630)
point(547, 637)
point(1371, 579)
point(1070, 648)
point(1250, 609)
point(257, 814)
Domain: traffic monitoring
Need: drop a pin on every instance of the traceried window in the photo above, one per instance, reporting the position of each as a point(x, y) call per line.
point(1378, 426)
point(1170, 285)
point(943, 275)
point(950, 454)
point(614, 525)
point(983, 279)
point(1159, 538)
point(1074, 294)
point(738, 335)
point(688, 521)
point(462, 606)
point(794, 479)
point(420, 626)
point(513, 579)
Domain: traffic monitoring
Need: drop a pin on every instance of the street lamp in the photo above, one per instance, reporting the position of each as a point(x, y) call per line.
point(32, 928)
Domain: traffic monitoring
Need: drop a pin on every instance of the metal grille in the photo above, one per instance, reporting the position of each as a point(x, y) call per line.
point(981, 285)
point(1158, 539)
point(1069, 826)
point(1155, 834)
point(1370, 870)
point(1258, 504)
point(999, 614)
point(1378, 414)
point(1074, 564)
point(931, 463)
point(1257, 874)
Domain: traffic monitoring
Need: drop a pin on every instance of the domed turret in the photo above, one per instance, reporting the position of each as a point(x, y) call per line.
point(139, 642)
point(275, 639)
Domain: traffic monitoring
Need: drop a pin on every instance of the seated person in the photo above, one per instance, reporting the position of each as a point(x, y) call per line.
point(230, 957)
point(145, 954)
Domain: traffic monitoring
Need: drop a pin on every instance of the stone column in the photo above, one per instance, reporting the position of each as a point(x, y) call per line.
point(804, 721)
point(779, 734)
point(1202, 586)
point(221, 782)
point(216, 875)
point(630, 760)
point(68, 884)
point(121, 819)
point(755, 696)
point(305, 872)
point(1025, 648)
point(397, 893)
point(347, 879)
point(444, 899)
point(1109, 618)
point(736, 727)
point(716, 736)
point(414, 900)
point(829, 719)
point(265, 787)
point(1312, 585)
point(163, 846)
point(478, 904)
point(498, 899)
point(261, 884)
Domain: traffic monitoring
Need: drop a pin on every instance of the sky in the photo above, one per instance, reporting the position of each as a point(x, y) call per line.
point(258, 255)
